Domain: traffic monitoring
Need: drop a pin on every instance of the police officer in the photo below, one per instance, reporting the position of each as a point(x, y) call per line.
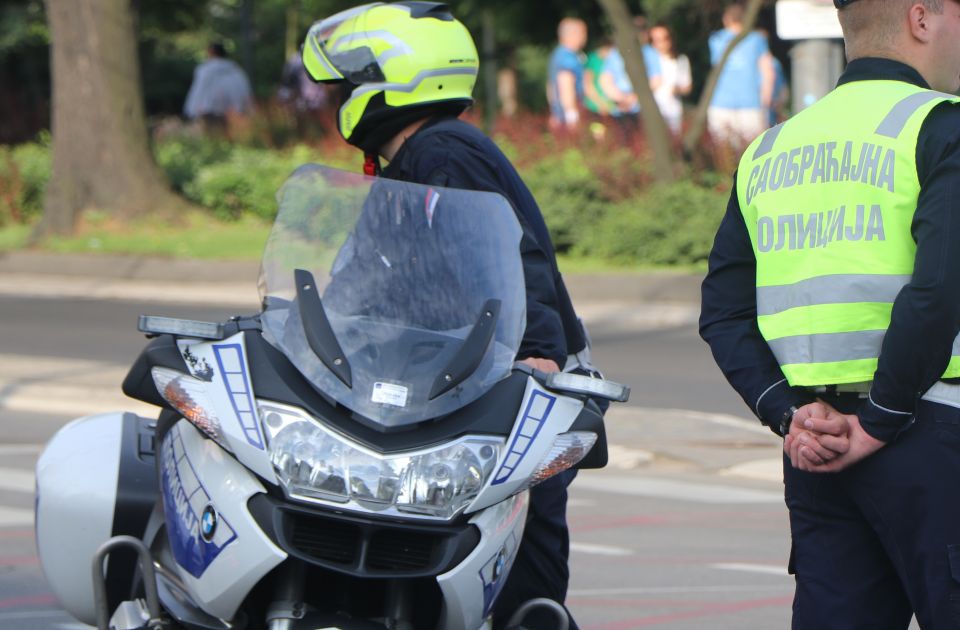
point(832, 305)
point(406, 70)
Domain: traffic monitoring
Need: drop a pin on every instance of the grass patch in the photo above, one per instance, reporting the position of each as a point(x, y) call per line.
point(571, 265)
point(195, 235)
point(14, 236)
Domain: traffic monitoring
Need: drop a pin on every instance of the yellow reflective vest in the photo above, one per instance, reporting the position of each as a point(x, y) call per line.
point(828, 198)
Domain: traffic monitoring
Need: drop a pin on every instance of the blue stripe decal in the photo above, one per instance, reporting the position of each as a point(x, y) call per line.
point(184, 499)
point(534, 417)
point(234, 370)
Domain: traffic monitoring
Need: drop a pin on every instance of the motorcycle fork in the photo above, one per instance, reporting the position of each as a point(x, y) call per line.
point(399, 610)
point(287, 607)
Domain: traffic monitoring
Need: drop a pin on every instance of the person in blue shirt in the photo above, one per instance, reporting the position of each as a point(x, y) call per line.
point(744, 92)
point(616, 85)
point(565, 74)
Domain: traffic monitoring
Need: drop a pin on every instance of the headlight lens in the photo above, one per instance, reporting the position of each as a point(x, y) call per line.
point(315, 463)
point(188, 395)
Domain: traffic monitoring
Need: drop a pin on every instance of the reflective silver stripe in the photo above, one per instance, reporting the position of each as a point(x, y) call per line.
point(944, 393)
point(832, 347)
point(892, 126)
point(833, 289)
point(766, 144)
point(827, 347)
point(406, 87)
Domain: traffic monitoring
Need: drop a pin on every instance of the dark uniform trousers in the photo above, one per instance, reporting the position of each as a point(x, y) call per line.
point(540, 568)
point(881, 540)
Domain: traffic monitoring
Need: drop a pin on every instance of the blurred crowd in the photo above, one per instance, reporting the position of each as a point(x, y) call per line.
point(593, 89)
point(587, 89)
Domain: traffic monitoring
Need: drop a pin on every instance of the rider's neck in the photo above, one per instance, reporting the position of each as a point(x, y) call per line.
point(389, 150)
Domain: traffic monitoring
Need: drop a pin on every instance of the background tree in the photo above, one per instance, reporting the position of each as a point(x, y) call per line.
point(101, 158)
point(654, 126)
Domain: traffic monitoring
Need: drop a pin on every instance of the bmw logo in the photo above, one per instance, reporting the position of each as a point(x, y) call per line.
point(499, 564)
point(208, 522)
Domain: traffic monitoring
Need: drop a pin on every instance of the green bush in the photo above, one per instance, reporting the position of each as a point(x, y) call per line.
point(182, 156)
point(668, 224)
point(247, 182)
point(24, 173)
point(569, 195)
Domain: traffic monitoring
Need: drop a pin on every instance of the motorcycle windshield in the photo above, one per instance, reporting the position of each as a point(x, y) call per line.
point(399, 301)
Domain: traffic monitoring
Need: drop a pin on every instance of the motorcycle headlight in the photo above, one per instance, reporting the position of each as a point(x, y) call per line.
point(188, 395)
point(315, 463)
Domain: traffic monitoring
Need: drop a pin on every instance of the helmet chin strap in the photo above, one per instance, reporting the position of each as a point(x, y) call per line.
point(371, 164)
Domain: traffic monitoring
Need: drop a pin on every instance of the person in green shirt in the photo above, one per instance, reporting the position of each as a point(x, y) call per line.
point(594, 99)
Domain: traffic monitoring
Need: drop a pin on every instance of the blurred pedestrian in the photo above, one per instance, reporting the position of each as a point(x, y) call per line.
point(616, 84)
point(220, 89)
point(744, 90)
point(565, 74)
point(594, 99)
point(675, 77)
point(298, 90)
point(598, 105)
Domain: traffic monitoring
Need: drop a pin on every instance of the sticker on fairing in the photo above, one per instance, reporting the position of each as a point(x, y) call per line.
point(389, 394)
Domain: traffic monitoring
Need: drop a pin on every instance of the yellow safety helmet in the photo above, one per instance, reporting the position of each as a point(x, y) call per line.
point(396, 62)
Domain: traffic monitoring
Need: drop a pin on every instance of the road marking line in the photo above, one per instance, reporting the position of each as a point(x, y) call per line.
point(645, 590)
point(75, 406)
point(723, 419)
point(233, 294)
point(41, 614)
point(767, 569)
point(17, 480)
point(15, 517)
point(20, 449)
point(600, 550)
point(642, 486)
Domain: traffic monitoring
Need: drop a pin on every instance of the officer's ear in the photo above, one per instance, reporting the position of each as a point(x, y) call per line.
point(920, 20)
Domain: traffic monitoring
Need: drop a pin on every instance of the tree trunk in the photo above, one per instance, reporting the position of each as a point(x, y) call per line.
point(101, 157)
point(699, 122)
point(654, 127)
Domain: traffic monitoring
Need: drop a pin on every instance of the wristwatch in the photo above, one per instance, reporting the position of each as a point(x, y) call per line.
point(786, 419)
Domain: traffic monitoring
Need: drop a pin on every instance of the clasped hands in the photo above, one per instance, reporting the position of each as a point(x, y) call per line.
point(821, 439)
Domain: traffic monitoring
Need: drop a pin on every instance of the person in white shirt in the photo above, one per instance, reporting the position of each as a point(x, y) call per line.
point(220, 87)
point(675, 78)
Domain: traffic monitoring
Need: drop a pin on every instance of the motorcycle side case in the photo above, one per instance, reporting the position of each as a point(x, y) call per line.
point(96, 479)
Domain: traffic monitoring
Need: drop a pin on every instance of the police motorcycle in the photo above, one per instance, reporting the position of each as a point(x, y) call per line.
point(357, 455)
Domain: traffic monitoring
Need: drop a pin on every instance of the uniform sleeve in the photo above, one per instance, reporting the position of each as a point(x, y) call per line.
point(728, 322)
point(925, 319)
point(544, 335)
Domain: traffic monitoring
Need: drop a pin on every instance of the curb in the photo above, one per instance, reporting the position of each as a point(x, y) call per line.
point(666, 286)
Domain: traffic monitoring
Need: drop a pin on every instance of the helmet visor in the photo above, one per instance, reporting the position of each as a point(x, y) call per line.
point(357, 65)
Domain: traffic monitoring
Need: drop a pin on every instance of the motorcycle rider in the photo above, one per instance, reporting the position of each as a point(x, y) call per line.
point(406, 71)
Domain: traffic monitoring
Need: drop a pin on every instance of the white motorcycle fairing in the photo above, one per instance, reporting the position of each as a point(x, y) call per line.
point(220, 550)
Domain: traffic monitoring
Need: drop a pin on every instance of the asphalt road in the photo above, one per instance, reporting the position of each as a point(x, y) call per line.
point(686, 529)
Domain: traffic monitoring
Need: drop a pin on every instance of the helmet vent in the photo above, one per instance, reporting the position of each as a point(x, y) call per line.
point(436, 10)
